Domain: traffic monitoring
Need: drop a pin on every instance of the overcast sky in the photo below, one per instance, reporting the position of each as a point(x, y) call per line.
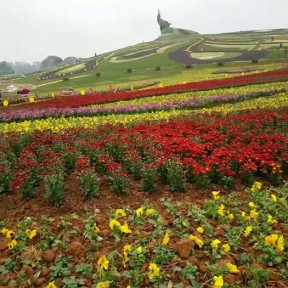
point(30, 30)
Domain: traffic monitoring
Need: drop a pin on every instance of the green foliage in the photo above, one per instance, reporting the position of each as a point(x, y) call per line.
point(175, 176)
point(32, 180)
point(62, 268)
point(54, 187)
point(89, 184)
point(149, 179)
point(118, 183)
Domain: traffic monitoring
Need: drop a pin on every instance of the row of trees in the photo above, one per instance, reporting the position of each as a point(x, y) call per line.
point(7, 68)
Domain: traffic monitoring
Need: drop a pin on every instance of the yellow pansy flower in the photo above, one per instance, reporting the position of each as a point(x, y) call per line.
point(12, 244)
point(200, 230)
point(51, 285)
point(215, 243)
point(226, 248)
point(103, 262)
point(127, 248)
point(139, 249)
point(252, 205)
point(231, 216)
point(4, 231)
point(253, 214)
point(105, 284)
point(280, 243)
point(274, 197)
point(218, 282)
point(119, 213)
point(221, 210)
point(271, 220)
point(154, 271)
point(248, 230)
point(256, 186)
point(114, 223)
point(10, 234)
point(216, 195)
point(125, 229)
point(150, 212)
point(271, 240)
point(139, 211)
point(30, 233)
point(232, 268)
point(166, 239)
point(197, 240)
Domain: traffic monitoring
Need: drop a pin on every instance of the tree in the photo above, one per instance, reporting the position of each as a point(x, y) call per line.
point(51, 61)
point(5, 69)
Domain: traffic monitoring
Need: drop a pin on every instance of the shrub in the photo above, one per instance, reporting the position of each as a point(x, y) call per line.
point(149, 179)
point(158, 68)
point(176, 176)
point(254, 61)
point(54, 186)
point(220, 64)
point(32, 181)
point(188, 66)
point(129, 70)
point(98, 74)
point(88, 182)
point(65, 79)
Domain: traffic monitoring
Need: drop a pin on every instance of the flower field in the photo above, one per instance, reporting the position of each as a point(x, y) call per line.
point(204, 162)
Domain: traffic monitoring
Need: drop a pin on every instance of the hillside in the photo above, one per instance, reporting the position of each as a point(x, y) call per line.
point(170, 53)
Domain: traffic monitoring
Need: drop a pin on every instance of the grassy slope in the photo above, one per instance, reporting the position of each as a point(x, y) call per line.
point(144, 69)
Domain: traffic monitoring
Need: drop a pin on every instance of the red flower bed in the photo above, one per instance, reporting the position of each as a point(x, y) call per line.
point(211, 149)
point(76, 101)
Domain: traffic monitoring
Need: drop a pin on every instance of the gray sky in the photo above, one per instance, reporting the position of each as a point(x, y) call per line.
point(30, 30)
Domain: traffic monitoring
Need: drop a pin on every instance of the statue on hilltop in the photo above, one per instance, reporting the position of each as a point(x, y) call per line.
point(162, 23)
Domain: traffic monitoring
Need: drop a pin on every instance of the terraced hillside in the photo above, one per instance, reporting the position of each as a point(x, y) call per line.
point(167, 56)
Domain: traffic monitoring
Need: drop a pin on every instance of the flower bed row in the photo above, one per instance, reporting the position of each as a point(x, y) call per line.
point(210, 150)
point(186, 95)
point(231, 241)
point(59, 124)
point(190, 103)
point(76, 101)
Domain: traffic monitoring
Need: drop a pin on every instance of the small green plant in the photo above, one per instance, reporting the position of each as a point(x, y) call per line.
point(5, 179)
point(158, 68)
point(176, 176)
point(84, 269)
point(227, 182)
point(32, 181)
point(98, 74)
point(62, 268)
point(248, 178)
point(65, 79)
point(54, 186)
point(73, 282)
point(89, 184)
point(70, 160)
point(149, 176)
point(129, 70)
point(202, 182)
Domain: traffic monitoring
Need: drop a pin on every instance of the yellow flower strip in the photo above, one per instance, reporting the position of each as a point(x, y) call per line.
point(184, 96)
point(88, 122)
